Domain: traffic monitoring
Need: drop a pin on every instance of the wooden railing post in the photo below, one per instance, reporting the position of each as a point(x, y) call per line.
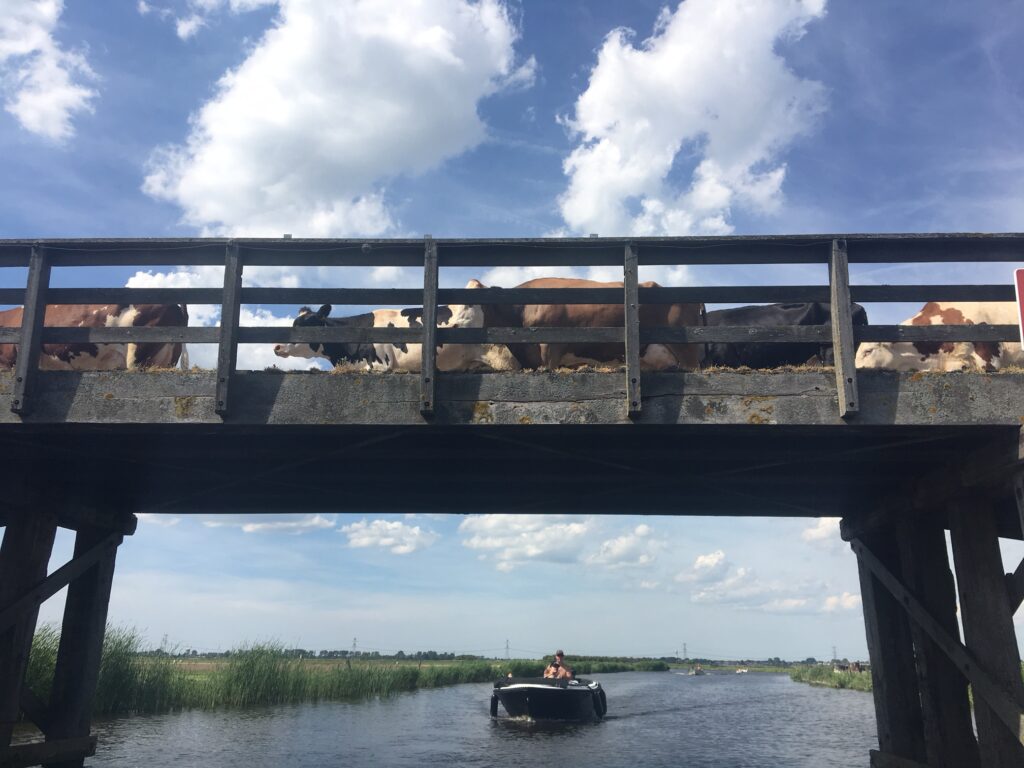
point(32, 320)
point(843, 345)
point(231, 307)
point(428, 360)
point(631, 301)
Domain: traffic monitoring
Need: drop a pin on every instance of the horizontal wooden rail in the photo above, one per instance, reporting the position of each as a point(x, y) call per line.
point(773, 249)
point(688, 335)
point(397, 297)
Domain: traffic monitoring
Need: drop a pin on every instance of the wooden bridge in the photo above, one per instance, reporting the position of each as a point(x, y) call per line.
point(899, 456)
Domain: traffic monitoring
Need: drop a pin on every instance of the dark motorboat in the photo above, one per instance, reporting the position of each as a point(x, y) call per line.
point(541, 698)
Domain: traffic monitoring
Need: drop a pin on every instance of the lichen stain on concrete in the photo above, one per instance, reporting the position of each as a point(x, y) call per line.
point(183, 406)
point(108, 396)
point(482, 413)
point(525, 420)
point(762, 407)
point(713, 407)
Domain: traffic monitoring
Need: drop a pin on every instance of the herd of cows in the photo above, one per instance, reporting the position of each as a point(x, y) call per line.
point(901, 356)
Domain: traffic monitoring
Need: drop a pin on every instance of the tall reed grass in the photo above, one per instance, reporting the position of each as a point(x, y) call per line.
point(823, 675)
point(132, 681)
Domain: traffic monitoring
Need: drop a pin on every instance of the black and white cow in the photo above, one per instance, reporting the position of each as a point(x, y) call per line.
point(773, 355)
point(398, 356)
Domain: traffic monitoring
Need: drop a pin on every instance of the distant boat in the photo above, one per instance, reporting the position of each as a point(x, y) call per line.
point(696, 669)
point(742, 671)
point(542, 698)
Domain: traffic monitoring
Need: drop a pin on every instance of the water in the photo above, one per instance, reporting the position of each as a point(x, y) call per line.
point(654, 719)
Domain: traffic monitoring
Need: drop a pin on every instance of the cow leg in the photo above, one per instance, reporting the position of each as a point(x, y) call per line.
point(551, 355)
point(131, 356)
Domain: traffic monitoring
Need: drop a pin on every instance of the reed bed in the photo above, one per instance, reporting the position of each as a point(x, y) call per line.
point(134, 682)
point(825, 676)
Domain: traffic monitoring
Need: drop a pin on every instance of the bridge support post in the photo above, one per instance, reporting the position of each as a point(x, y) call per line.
point(985, 609)
point(890, 646)
point(24, 555)
point(81, 646)
point(946, 710)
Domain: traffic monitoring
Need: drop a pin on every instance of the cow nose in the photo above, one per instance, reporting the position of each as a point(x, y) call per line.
point(279, 350)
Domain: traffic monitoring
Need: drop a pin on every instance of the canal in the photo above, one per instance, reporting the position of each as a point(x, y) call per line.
point(654, 720)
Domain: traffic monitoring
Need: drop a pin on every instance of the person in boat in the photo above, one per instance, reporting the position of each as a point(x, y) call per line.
point(558, 667)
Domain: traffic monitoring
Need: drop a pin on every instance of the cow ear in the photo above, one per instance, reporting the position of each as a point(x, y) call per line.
point(324, 311)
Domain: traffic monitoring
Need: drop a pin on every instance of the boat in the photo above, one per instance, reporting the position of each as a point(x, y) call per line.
point(542, 698)
point(696, 670)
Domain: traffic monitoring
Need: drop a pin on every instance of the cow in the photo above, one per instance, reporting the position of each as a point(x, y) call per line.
point(396, 356)
point(773, 355)
point(550, 356)
point(102, 357)
point(949, 355)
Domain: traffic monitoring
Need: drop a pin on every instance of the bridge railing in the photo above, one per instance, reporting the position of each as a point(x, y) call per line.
point(836, 252)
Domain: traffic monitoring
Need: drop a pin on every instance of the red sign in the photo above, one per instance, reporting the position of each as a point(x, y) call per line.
point(1018, 278)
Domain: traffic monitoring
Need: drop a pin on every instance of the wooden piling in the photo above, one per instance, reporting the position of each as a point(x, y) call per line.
point(988, 625)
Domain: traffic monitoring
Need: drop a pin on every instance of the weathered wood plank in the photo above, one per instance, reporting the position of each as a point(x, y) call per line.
point(842, 331)
point(81, 644)
point(631, 301)
point(34, 709)
point(24, 554)
point(132, 296)
point(428, 367)
point(29, 345)
point(49, 753)
point(227, 353)
point(799, 398)
point(946, 710)
point(988, 632)
point(1015, 587)
point(890, 647)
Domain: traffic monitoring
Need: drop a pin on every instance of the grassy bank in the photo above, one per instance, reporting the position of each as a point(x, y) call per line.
point(133, 682)
point(824, 676)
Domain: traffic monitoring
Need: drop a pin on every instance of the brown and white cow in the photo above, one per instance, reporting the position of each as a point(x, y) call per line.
point(102, 357)
point(653, 357)
point(950, 355)
point(399, 356)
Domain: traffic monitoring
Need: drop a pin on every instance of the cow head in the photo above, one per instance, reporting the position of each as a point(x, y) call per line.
point(307, 318)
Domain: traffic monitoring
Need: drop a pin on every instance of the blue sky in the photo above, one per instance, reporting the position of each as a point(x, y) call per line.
point(492, 118)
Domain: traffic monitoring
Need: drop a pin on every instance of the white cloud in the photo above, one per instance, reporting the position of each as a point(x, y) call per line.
point(824, 529)
point(706, 568)
point(676, 133)
point(844, 602)
point(516, 539)
point(188, 26)
point(397, 537)
point(336, 99)
point(43, 84)
point(299, 526)
point(636, 548)
point(151, 518)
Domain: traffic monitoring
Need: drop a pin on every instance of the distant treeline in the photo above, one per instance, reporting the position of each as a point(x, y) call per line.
point(132, 680)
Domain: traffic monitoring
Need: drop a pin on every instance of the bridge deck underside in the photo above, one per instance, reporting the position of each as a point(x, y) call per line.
point(704, 444)
point(781, 471)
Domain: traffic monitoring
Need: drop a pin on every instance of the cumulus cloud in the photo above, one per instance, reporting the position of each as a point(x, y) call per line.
point(513, 540)
point(336, 99)
point(706, 568)
point(43, 85)
point(636, 548)
point(395, 536)
point(824, 529)
point(301, 525)
point(844, 602)
point(676, 133)
point(716, 581)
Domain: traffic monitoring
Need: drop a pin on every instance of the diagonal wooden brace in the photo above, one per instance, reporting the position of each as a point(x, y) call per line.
point(57, 580)
point(1000, 700)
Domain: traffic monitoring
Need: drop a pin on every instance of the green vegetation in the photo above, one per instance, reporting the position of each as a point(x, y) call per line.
point(824, 675)
point(134, 681)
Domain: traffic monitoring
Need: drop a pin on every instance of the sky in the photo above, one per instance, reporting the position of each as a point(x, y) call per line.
point(503, 118)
